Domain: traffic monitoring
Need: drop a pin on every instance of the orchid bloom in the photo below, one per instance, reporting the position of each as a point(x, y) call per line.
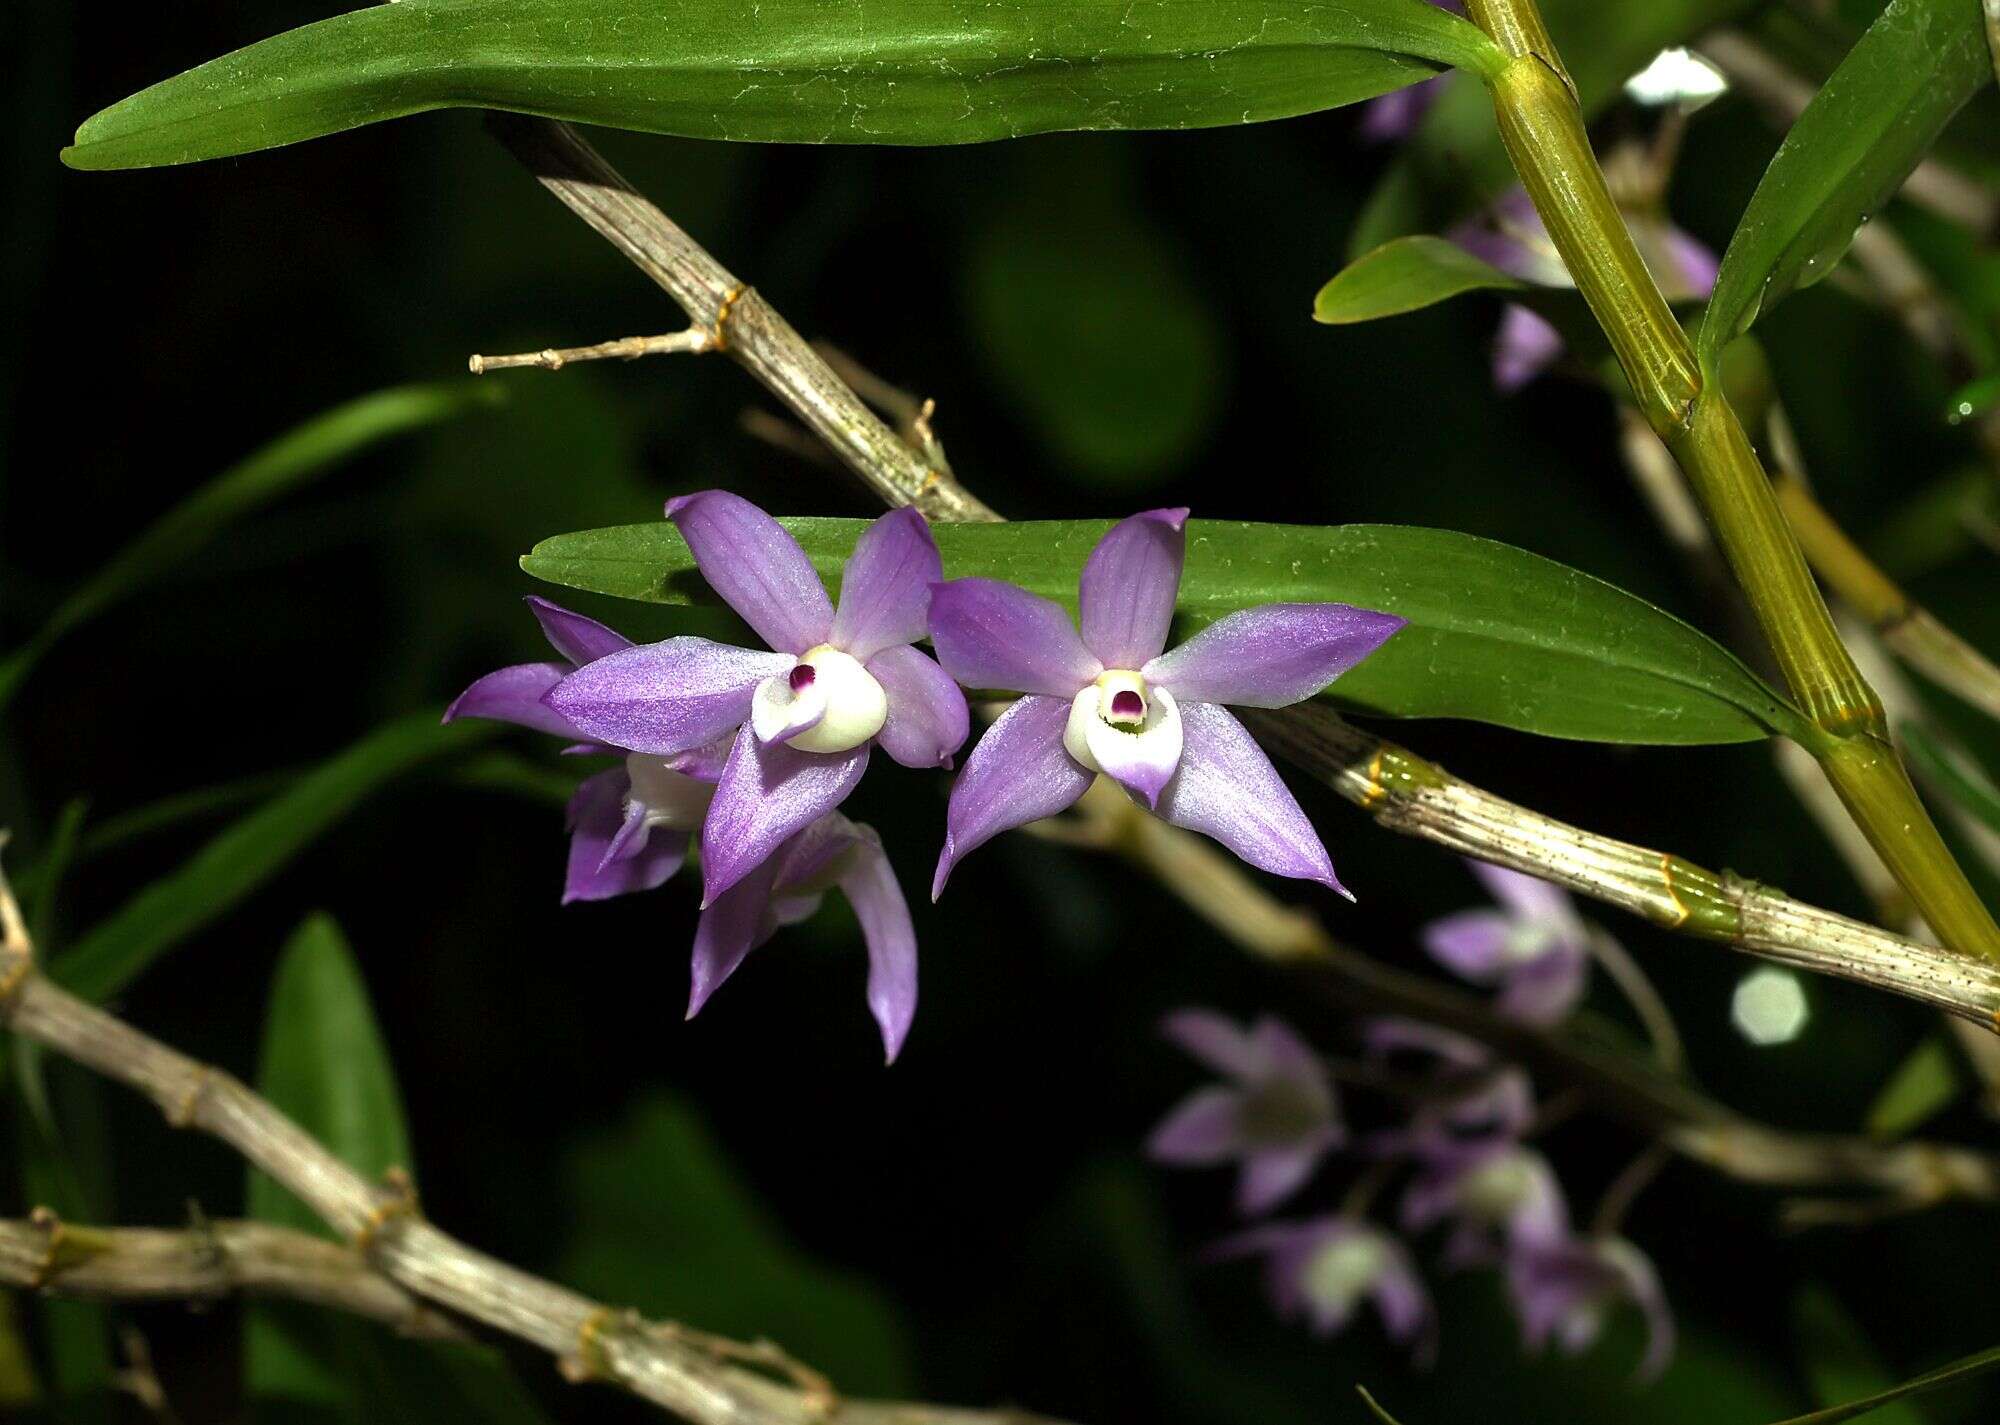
point(1396, 114)
point(629, 826)
point(1112, 701)
point(803, 716)
point(1534, 946)
point(1564, 1291)
point(787, 887)
point(1323, 1268)
point(1510, 236)
point(1278, 1116)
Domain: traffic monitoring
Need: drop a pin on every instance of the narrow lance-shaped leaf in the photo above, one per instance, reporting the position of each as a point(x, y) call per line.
point(249, 852)
point(1964, 1369)
point(1406, 275)
point(287, 463)
point(804, 71)
point(1849, 152)
point(1496, 634)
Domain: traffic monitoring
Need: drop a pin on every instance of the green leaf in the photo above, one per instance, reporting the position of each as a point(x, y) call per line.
point(325, 1064)
point(249, 852)
point(1840, 1361)
point(1964, 1369)
point(1923, 1086)
point(1847, 155)
point(1951, 772)
point(288, 463)
point(801, 71)
point(1497, 634)
point(1406, 275)
point(1375, 1410)
point(661, 1222)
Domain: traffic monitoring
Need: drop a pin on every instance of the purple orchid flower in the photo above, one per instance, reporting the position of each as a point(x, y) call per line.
point(1510, 236)
point(1563, 1291)
point(1396, 115)
point(1113, 702)
point(629, 826)
point(1323, 1268)
point(804, 716)
point(787, 886)
point(1534, 947)
point(1278, 1116)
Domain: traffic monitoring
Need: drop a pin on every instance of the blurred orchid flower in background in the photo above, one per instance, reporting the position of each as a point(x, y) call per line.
point(1324, 1268)
point(1534, 946)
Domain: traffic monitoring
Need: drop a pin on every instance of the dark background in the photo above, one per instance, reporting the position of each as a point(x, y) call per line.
point(1107, 323)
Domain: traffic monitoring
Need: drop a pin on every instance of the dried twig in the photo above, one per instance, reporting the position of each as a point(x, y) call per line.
point(683, 1371)
point(628, 348)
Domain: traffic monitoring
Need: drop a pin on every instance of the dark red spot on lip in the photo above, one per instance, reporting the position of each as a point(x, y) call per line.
point(1126, 703)
point(802, 677)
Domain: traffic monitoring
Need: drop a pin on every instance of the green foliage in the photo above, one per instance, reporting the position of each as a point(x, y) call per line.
point(1849, 151)
point(1497, 634)
point(1839, 1360)
point(798, 71)
point(664, 1225)
point(325, 1064)
point(1949, 771)
point(249, 852)
point(1406, 275)
point(1922, 1087)
point(287, 464)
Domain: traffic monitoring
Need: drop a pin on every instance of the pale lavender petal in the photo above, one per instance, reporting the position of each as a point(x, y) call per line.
point(1288, 1055)
point(1472, 944)
point(596, 819)
point(759, 570)
point(1542, 1218)
point(768, 793)
point(1207, 1127)
point(885, 593)
point(1018, 773)
point(1270, 1175)
point(704, 763)
point(581, 640)
point(1383, 1037)
point(991, 634)
point(1125, 600)
point(870, 886)
point(1228, 789)
point(666, 697)
point(1217, 1042)
point(928, 719)
point(515, 695)
point(1510, 236)
point(1527, 896)
point(1503, 1108)
point(1271, 656)
point(1545, 989)
point(1396, 115)
point(1399, 1295)
point(731, 926)
point(1690, 265)
point(1525, 347)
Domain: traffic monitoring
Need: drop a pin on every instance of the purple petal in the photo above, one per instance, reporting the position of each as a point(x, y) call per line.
point(1510, 236)
point(704, 763)
point(1018, 773)
point(1271, 656)
point(581, 640)
point(928, 718)
point(731, 926)
point(597, 819)
point(1526, 347)
point(1527, 896)
point(991, 634)
point(1141, 762)
point(1385, 1036)
point(1399, 1294)
point(1684, 266)
point(759, 570)
point(1545, 989)
point(666, 697)
point(1271, 1175)
point(885, 594)
point(1125, 600)
point(1542, 1217)
point(768, 793)
point(1227, 788)
point(515, 695)
point(1288, 1056)
point(870, 887)
point(1217, 1042)
point(1396, 115)
point(1471, 944)
point(1207, 1127)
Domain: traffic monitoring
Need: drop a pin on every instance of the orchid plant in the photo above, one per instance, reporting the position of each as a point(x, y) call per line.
point(1404, 1102)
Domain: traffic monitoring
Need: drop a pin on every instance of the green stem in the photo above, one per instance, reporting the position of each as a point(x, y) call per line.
point(1542, 127)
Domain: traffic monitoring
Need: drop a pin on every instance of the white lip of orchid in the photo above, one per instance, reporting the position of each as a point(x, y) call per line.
point(1118, 704)
point(1528, 940)
point(849, 705)
point(1343, 1269)
point(671, 799)
point(1498, 1187)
